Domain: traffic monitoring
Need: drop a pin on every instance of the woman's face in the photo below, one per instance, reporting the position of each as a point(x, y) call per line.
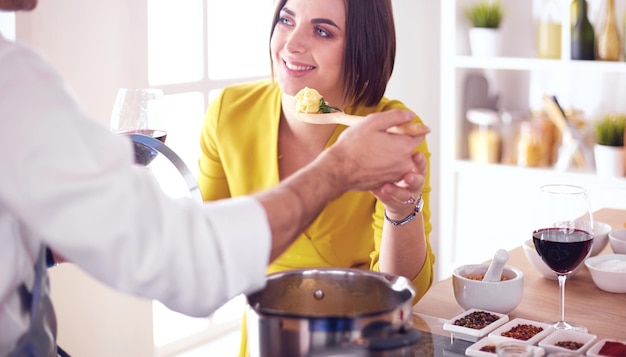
point(308, 47)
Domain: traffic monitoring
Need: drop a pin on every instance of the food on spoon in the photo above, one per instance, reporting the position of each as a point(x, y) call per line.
point(312, 108)
point(310, 101)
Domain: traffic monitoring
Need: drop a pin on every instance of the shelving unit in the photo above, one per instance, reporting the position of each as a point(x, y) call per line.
point(485, 207)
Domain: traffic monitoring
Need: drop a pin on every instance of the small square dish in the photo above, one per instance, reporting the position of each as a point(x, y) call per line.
point(487, 348)
point(474, 324)
point(567, 341)
point(608, 347)
point(519, 329)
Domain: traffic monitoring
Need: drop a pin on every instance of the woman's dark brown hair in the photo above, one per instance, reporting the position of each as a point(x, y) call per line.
point(370, 49)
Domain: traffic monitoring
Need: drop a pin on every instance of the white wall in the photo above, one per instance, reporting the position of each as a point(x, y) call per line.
point(415, 80)
point(93, 44)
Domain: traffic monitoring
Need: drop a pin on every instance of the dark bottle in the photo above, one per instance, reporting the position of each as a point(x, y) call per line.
point(583, 36)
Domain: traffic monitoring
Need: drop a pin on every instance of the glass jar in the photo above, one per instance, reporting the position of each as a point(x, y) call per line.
point(532, 148)
point(549, 30)
point(483, 138)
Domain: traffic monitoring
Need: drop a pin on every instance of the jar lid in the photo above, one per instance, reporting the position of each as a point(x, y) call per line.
point(482, 116)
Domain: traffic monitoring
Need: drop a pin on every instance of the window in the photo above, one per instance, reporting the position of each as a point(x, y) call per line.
point(195, 48)
point(7, 25)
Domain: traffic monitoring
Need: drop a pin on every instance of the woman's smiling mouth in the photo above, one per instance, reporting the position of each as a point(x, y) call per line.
point(296, 67)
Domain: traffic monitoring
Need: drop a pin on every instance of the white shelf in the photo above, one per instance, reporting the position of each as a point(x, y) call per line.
point(485, 207)
point(534, 64)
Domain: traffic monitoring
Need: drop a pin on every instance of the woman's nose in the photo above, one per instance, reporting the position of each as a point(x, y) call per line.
point(296, 40)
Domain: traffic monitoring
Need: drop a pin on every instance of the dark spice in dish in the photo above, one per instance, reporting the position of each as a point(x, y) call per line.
point(476, 320)
point(489, 348)
point(613, 349)
point(570, 345)
point(522, 332)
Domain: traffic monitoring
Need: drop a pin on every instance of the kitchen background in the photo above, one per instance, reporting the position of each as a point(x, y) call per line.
point(193, 48)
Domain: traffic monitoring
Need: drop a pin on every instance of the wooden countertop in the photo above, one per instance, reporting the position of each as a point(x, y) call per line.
point(603, 313)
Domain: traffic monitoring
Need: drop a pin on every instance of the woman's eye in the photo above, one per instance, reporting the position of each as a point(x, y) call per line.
point(322, 33)
point(285, 21)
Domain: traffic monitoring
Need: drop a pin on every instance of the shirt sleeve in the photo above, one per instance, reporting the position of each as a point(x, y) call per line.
point(73, 186)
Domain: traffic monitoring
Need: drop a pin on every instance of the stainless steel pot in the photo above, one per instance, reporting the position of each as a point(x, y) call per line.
point(331, 312)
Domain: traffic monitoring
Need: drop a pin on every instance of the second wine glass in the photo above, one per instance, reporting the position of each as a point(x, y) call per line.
point(140, 111)
point(562, 225)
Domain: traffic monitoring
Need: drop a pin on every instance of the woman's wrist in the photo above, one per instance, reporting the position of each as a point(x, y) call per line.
point(402, 221)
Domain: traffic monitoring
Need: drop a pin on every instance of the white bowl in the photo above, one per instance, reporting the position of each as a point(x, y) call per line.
point(617, 239)
point(535, 260)
point(499, 296)
point(550, 343)
point(608, 272)
point(600, 237)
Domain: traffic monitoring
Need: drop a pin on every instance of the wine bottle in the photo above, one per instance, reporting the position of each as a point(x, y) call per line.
point(583, 36)
point(608, 38)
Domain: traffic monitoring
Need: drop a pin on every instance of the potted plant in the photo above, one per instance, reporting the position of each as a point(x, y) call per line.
point(609, 147)
point(485, 18)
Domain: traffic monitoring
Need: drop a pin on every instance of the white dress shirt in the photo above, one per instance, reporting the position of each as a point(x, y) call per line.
point(68, 182)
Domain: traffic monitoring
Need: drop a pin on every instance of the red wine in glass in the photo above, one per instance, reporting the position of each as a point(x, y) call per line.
point(562, 229)
point(143, 154)
point(562, 249)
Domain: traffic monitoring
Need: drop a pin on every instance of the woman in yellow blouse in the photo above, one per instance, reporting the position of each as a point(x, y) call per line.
point(252, 139)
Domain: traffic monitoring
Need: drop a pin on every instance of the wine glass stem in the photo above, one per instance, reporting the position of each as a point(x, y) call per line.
point(562, 279)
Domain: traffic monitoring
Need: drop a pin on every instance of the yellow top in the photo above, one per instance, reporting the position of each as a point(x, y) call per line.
point(239, 156)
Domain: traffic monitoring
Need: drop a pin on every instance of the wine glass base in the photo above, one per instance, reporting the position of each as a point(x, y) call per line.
point(562, 325)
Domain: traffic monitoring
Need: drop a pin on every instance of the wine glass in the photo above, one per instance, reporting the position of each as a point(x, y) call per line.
point(562, 225)
point(140, 111)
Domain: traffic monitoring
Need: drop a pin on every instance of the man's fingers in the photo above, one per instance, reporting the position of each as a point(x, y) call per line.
point(410, 128)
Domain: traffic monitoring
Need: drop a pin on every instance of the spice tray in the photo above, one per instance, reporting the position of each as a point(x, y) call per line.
point(527, 331)
point(578, 342)
point(483, 322)
point(618, 348)
point(477, 349)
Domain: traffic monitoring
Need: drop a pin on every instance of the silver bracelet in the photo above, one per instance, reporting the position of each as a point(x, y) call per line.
point(409, 218)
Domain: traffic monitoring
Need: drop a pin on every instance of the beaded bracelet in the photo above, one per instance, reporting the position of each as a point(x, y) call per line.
point(409, 218)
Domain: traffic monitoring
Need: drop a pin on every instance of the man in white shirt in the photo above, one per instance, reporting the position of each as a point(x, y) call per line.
point(68, 183)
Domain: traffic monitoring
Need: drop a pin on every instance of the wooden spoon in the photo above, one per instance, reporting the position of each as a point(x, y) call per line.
point(409, 128)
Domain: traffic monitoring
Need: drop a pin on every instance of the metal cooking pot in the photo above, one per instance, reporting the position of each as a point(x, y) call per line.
point(331, 312)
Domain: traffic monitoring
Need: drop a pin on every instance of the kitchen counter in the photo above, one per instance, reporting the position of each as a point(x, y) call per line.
point(603, 313)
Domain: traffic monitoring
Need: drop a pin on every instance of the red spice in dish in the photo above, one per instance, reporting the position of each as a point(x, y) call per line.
point(613, 349)
point(522, 332)
point(489, 348)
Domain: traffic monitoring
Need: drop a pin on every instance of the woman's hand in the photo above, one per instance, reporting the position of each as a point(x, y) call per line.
point(400, 198)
